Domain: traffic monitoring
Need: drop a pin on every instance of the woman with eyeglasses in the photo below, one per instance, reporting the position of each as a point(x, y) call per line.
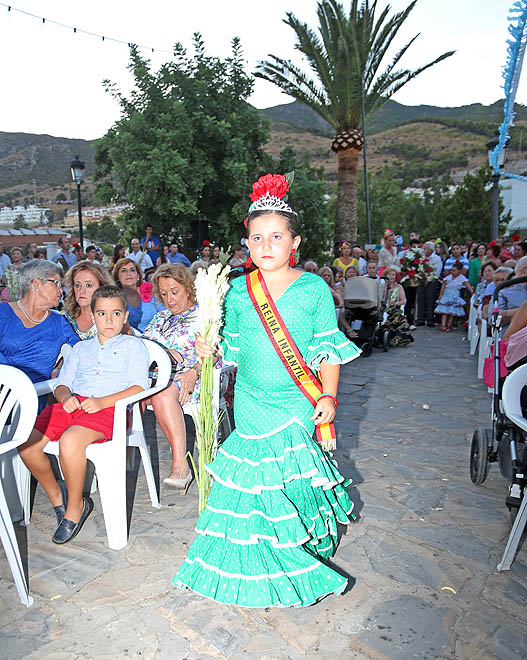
point(31, 333)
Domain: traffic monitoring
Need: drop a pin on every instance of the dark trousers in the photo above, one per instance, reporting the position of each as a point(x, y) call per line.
point(411, 295)
point(426, 299)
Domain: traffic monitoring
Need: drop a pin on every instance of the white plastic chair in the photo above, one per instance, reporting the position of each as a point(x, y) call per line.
point(484, 347)
point(473, 327)
point(511, 398)
point(109, 458)
point(19, 403)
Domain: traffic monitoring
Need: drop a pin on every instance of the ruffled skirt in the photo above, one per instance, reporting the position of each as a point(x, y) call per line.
point(269, 524)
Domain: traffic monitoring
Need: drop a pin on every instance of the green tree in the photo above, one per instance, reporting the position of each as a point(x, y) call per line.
point(61, 197)
point(346, 59)
point(390, 207)
point(108, 231)
point(308, 198)
point(91, 230)
point(466, 214)
point(19, 222)
point(187, 146)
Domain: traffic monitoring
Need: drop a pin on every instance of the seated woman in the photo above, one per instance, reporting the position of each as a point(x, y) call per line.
point(327, 275)
point(81, 281)
point(394, 299)
point(31, 335)
point(142, 306)
point(486, 276)
point(176, 328)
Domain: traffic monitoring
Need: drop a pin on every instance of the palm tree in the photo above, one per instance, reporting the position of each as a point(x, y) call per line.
point(345, 59)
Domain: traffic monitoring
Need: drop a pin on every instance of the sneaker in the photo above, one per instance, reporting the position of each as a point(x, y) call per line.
point(413, 327)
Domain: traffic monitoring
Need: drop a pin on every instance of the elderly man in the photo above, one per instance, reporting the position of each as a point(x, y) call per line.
point(356, 253)
point(512, 298)
point(427, 291)
point(139, 256)
point(311, 267)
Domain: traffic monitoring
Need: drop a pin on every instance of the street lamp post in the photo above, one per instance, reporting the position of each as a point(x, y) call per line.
point(77, 174)
point(491, 145)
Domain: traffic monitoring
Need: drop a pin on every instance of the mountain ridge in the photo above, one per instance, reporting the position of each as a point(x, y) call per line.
point(44, 159)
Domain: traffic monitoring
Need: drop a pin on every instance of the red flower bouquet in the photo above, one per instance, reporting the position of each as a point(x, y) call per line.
point(415, 268)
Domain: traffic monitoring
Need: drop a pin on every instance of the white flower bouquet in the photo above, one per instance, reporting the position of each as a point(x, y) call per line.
point(211, 286)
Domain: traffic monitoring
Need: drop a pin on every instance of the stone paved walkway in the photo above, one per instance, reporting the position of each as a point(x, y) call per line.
point(421, 559)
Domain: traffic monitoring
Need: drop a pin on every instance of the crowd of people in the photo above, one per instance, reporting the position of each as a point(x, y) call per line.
point(148, 291)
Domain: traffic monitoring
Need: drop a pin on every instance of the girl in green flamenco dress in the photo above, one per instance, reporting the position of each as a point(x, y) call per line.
point(271, 518)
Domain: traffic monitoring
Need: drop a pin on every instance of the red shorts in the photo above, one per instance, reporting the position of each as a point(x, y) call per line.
point(54, 420)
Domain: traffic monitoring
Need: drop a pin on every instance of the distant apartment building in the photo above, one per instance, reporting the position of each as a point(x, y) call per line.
point(90, 213)
point(32, 214)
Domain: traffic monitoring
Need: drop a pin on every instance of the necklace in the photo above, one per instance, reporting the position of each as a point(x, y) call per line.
point(29, 317)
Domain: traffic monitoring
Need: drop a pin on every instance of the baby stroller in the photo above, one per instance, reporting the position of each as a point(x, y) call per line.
point(362, 307)
point(504, 443)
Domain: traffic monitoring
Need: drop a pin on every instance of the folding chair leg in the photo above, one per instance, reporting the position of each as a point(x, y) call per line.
point(514, 537)
point(10, 543)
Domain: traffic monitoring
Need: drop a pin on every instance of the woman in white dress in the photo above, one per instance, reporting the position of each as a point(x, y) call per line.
point(388, 254)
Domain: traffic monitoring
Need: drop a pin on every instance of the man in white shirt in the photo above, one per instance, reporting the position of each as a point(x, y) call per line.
point(141, 258)
point(356, 253)
point(91, 254)
point(64, 257)
point(427, 291)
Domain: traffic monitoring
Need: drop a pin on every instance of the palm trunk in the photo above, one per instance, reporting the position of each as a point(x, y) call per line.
point(346, 221)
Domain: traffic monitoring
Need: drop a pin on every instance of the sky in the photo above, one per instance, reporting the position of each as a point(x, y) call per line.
point(51, 78)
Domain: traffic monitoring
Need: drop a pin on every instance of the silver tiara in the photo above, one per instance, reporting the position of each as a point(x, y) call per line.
point(269, 202)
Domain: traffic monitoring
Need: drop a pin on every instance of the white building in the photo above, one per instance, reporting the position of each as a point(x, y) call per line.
point(89, 213)
point(32, 214)
point(514, 197)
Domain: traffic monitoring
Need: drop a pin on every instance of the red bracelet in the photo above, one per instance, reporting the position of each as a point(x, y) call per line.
point(328, 396)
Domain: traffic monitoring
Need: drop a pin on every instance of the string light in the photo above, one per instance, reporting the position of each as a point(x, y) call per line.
point(81, 31)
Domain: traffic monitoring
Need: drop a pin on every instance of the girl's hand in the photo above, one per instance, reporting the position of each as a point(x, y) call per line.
point(71, 404)
point(187, 381)
point(325, 412)
point(203, 348)
point(92, 405)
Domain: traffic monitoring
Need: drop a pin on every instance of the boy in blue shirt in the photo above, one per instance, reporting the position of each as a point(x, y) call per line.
point(97, 373)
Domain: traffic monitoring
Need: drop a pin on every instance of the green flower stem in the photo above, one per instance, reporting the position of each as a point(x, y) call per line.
point(206, 421)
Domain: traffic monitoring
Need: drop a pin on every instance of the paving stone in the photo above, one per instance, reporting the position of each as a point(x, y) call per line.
point(516, 592)
point(510, 645)
point(399, 564)
point(423, 500)
point(410, 472)
point(449, 539)
point(407, 627)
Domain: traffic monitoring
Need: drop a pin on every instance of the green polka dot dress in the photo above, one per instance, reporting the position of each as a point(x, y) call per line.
point(277, 497)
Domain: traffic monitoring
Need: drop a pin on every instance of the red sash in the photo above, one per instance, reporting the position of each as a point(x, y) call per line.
point(287, 350)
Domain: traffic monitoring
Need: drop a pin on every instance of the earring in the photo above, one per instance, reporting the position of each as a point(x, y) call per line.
point(292, 259)
point(249, 262)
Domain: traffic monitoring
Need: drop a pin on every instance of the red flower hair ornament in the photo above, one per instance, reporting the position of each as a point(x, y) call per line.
point(515, 238)
point(268, 194)
point(206, 244)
